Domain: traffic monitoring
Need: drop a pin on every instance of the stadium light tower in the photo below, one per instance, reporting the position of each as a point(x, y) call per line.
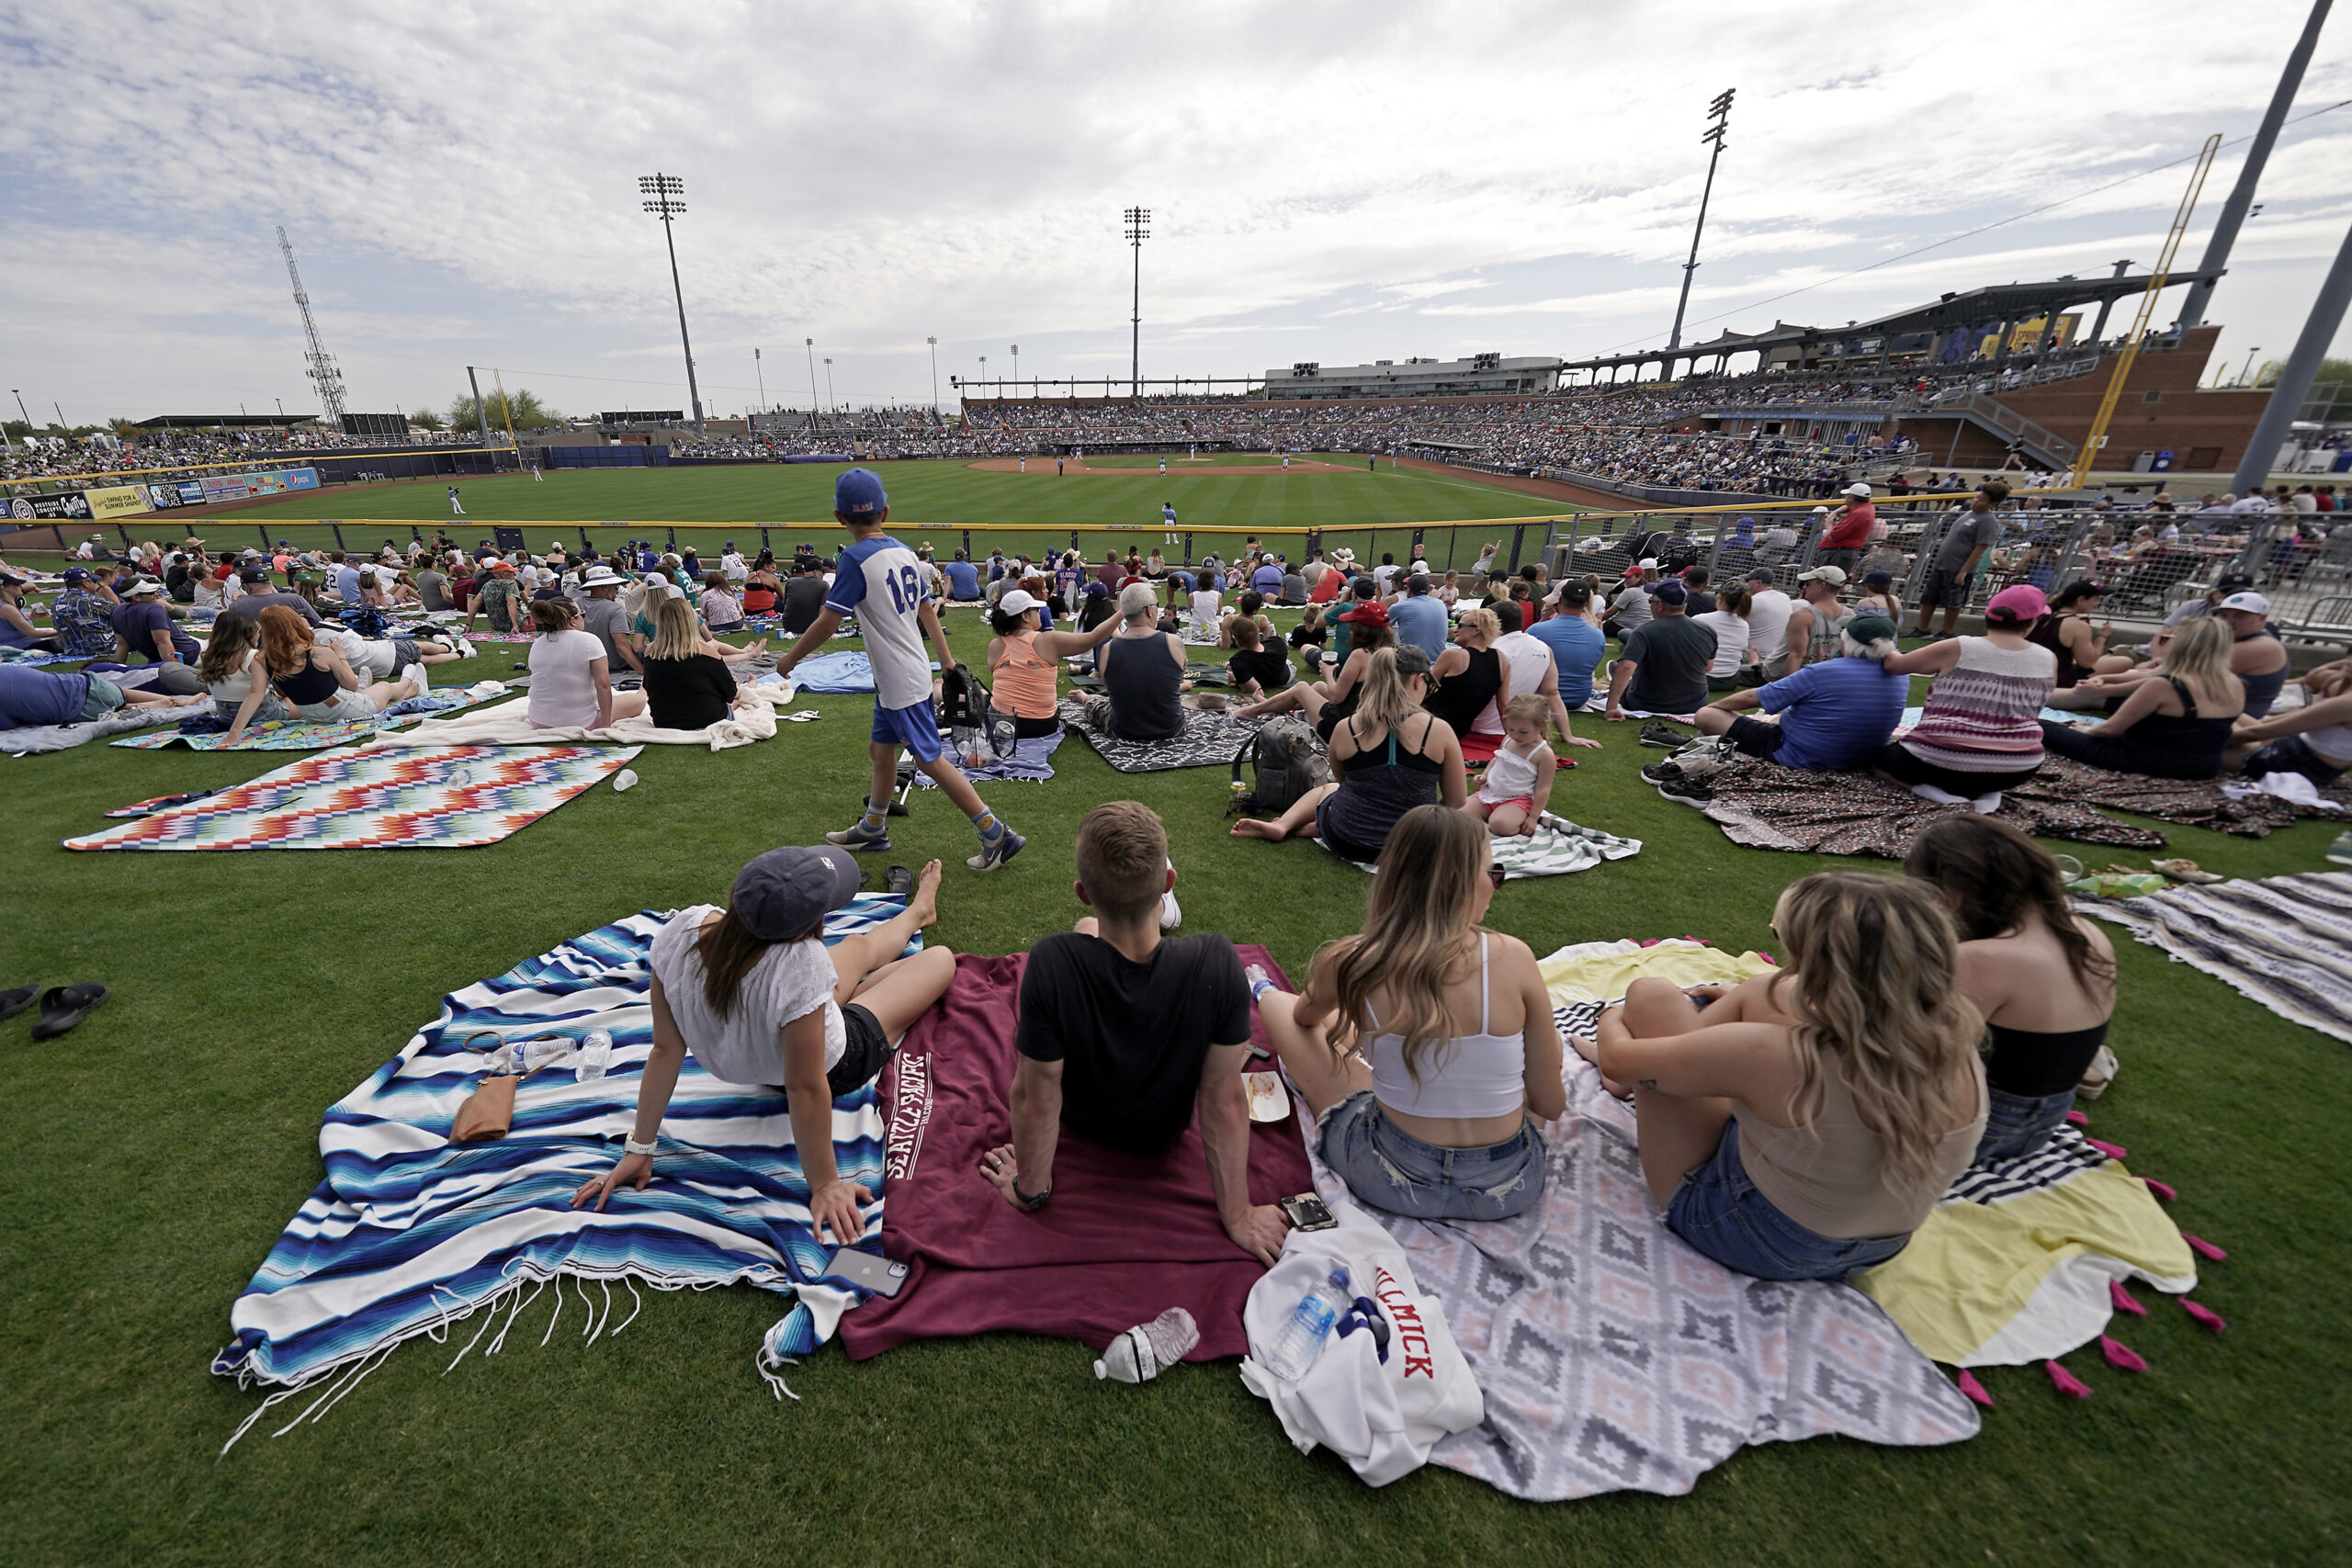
point(323, 372)
point(830, 405)
point(664, 192)
point(1138, 221)
point(2235, 210)
point(934, 373)
point(1718, 121)
point(761, 372)
point(810, 344)
point(1016, 369)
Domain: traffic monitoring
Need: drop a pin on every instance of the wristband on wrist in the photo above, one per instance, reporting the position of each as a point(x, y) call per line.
point(1030, 1201)
point(633, 1146)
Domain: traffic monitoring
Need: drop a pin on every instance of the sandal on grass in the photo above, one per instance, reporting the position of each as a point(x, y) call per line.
point(898, 881)
point(15, 1001)
point(62, 1006)
point(2184, 871)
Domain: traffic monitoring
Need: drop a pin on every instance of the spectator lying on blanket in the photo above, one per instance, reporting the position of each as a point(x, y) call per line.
point(1123, 1036)
point(2042, 975)
point(571, 681)
point(1802, 1124)
point(1254, 667)
point(30, 697)
point(314, 677)
point(2174, 726)
point(1390, 755)
point(2314, 740)
point(753, 991)
point(1663, 667)
point(1024, 664)
point(685, 687)
point(1981, 731)
point(1518, 783)
point(1424, 1047)
point(1325, 702)
point(1831, 714)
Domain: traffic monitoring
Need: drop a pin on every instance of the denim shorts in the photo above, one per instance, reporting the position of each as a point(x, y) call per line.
point(1719, 1211)
point(271, 708)
point(2017, 1123)
point(1394, 1172)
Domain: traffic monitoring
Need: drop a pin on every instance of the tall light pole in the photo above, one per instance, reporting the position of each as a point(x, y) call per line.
point(2294, 383)
point(1139, 219)
point(934, 373)
point(665, 191)
point(2247, 368)
point(1016, 369)
point(810, 344)
point(2234, 210)
point(984, 368)
point(1719, 119)
point(761, 371)
point(831, 406)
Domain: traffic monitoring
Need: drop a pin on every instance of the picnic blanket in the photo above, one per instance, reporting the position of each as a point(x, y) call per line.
point(36, 658)
point(510, 725)
point(2014, 1265)
point(1125, 1238)
point(1611, 1355)
point(2192, 802)
point(26, 740)
point(1768, 806)
point(1207, 740)
point(1032, 762)
point(835, 674)
point(2285, 941)
point(411, 1234)
point(450, 798)
point(303, 735)
point(1557, 848)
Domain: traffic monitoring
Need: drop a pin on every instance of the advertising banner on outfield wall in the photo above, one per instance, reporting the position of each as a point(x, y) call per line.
point(237, 487)
point(117, 500)
point(67, 503)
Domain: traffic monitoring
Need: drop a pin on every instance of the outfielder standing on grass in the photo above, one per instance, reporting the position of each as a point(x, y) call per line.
point(880, 579)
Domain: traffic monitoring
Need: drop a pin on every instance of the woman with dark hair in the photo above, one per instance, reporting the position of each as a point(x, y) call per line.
point(1024, 662)
point(753, 991)
point(2042, 975)
point(2066, 631)
point(1425, 1046)
point(313, 677)
point(1389, 755)
point(571, 678)
point(1328, 702)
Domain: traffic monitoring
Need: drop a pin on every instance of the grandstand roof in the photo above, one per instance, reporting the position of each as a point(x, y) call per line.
point(1983, 307)
point(223, 421)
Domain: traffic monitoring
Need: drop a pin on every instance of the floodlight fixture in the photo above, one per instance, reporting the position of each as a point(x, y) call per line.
point(1138, 230)
point(1718, 121)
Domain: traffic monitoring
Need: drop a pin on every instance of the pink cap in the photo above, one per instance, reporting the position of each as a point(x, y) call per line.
point(2018, 606)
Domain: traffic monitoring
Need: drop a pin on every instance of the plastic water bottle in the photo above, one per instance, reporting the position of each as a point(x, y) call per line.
point(595, 1055)
point(1144, 1352)
point(1300, 1340)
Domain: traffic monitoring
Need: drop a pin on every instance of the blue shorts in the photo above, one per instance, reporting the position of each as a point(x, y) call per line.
point(915, 727)
point(1719, 1211)
point(2018, 1124)
point(1396, 1172)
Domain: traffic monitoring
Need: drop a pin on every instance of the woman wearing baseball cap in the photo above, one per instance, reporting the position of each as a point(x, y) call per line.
point(1980, 733)
point(754, 992)
point(1024, 664)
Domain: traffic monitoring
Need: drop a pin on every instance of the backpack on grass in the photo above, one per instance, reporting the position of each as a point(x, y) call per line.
point(1284, 763)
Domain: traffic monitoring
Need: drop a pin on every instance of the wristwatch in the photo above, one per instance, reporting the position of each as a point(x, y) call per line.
point(633, 1146)
point(1030, 1204)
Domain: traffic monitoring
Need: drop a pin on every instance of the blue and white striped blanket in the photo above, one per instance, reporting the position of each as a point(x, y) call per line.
point(411, 1233)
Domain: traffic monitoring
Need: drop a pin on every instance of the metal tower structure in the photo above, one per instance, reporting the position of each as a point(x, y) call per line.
point(1137, 219)
point(664, 194)
point(323, 372)
point(1718, 121)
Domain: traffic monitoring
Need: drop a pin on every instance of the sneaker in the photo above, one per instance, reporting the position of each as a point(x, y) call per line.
point(995, 851)
point(1688, 791)
point(1660, 772)
point(1660, 736)
point(857, 836)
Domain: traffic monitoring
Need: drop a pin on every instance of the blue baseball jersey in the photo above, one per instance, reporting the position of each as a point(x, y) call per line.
point(881, 581)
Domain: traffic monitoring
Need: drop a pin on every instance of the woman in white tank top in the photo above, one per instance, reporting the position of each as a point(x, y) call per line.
point(1425, 1046)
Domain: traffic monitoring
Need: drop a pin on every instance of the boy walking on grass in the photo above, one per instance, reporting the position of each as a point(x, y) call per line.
point(880, 579)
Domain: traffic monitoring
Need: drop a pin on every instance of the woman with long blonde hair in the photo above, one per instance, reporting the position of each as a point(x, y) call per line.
point(1470, 675)
point(1388, 756)
point(1424, 1046)
point(2173, 727)
point(1802, 1124)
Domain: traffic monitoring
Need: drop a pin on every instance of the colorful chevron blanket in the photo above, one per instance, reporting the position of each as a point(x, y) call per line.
point(453, 797)
point(1612, 1356)
point(411, 1234)
point(2285, 941)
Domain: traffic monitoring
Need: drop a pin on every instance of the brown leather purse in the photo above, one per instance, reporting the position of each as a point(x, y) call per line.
point(489, 1112)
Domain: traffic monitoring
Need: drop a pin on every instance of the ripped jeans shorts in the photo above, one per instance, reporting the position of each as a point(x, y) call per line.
point(1390, 1169)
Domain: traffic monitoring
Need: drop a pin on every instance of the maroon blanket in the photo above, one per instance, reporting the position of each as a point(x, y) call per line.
point(1123, 1239)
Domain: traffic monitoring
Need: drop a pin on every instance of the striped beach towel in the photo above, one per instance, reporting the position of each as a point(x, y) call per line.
point(411, 1234)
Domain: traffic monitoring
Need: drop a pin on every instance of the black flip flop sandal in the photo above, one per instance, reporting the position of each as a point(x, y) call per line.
point(15, 1001)
point(62, 1006)
point(898, 881)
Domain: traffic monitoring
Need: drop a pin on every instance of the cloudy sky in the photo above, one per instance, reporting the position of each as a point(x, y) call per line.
point(1329, 182)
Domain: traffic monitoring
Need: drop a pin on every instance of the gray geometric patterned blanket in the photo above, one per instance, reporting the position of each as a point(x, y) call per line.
point(2286, 942)
point(1615, 1357)
point(1208, 740)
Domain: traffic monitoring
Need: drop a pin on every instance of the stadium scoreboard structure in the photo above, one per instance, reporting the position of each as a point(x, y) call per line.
point(1480, 376)
point(376, 426)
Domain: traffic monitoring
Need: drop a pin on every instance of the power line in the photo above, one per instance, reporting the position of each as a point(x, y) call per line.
point(1971, 234)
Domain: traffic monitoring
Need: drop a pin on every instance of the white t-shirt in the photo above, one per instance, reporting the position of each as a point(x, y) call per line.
point(239, 685)
point(1767, 621)
point(1731, 640)
point(1205, 607)
point(880, 580)
point(791, 980)
point(563, 687)
point(370, 658)
point(1529, 659)
point(1511, 775)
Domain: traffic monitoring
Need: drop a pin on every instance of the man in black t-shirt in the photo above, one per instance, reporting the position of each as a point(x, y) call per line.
point(1123, 1036)
point(804, 595)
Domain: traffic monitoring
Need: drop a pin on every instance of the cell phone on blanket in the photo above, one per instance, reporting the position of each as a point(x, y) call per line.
point(865, 1269)
point(1309, 1213)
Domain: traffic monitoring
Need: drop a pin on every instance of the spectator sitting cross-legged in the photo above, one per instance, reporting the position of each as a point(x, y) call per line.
point(572, 681)
point(1833, 714)
point(1424, 1046)
point(1125, 1037)
point(1663, 668)
point(1024, 662)
point(143, 629)
point(1981, 731)
point(685, 687)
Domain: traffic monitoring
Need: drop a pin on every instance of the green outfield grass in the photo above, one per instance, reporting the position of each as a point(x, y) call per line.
point(1032, 512)
point(156, 1154)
